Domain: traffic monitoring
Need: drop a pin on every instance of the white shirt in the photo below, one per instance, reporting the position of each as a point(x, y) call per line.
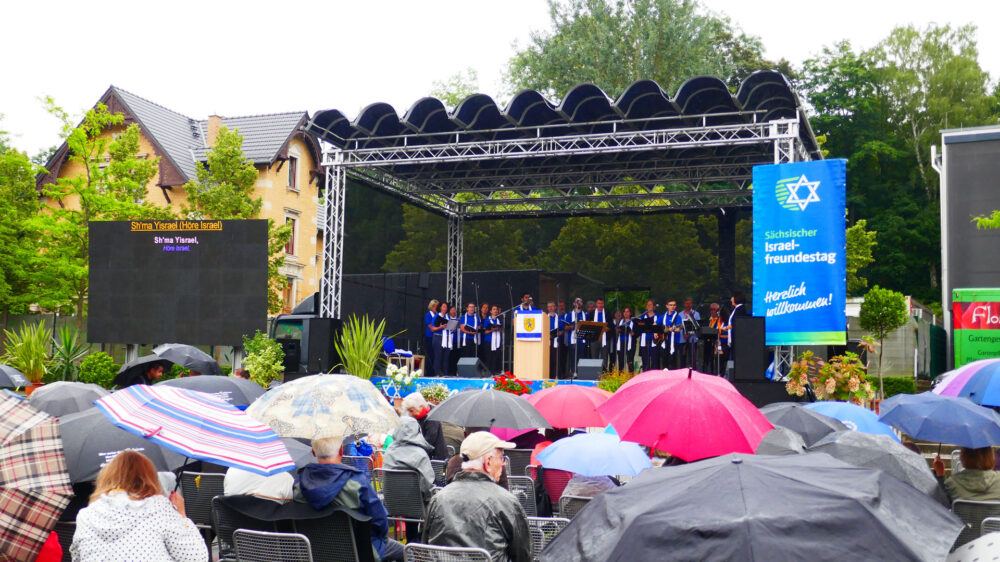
point(277, 487)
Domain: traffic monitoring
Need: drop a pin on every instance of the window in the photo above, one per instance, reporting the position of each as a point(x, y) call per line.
point(288, 297)
point(293, 173)
point(290, 246)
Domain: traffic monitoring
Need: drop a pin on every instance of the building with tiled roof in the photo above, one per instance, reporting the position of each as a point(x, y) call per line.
point(286, 157)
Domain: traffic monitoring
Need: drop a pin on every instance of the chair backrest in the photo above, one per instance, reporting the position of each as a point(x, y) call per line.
point(439, 467)
point(337, 538)
point(569, 506)
point(364, 464)
point(972, 513)
point(523, 489)
point(555, 482)
point(543, 530)
point(451, 450)
point(416, 552)
point(198, 489)
point(64, 531)
point(956, 462)
point(518, 459)
point(226, 520)
point(531, 471)
point(264, 546)
point(401, 494)
point(989, 525)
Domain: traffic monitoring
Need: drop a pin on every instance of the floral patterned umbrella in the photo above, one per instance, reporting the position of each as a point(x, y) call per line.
point(325, 405)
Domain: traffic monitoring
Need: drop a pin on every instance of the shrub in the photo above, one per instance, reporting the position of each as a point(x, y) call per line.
point(509, 383)
point(67, 352)
point(898, 385)
point(613, 379)
point(843, 378)
point(359, 346)
point(98, 368)
point(264, 359)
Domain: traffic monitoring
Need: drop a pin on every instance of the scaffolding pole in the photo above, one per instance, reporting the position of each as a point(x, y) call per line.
point(455, 252)
point(333, 237)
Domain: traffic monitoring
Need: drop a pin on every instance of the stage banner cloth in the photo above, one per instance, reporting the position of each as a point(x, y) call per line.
point(799, 248)
point(528, 325)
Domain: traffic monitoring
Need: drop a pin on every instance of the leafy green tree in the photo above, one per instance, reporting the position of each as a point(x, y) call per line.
point(990, 222)
point(456, 87)
point(110, 186)
point(859, 255)
point(882, 312)
point(224, 189)
point(18, 249)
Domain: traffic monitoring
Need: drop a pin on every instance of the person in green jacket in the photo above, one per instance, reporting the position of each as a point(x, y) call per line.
point(977, 480)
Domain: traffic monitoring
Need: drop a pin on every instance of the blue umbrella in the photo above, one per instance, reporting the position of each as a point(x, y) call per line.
point(943, 419)
point(854, 417)
point(595, 454)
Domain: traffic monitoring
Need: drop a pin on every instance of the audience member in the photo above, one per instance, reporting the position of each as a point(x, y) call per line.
point(416, 406)
point(129, 518)
point(408, 451)
point(977, 480)
point(473, 511)
point(277, 487)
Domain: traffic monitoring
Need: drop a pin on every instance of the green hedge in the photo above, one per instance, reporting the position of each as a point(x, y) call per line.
point(895, 385)
point(98, 368)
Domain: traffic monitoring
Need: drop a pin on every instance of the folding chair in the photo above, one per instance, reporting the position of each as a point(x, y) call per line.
point(65, 530)
point(523, 489)
point(198, 489)
point(440, 468)
point(264, 546)
point(337, 538)
point(518, 459)
point(225, 521)
point(401, 495)
point(416, 552)
point(972, 513)
point(543, 530)
point(989, 525)
point(569, 506)
point(364, 464)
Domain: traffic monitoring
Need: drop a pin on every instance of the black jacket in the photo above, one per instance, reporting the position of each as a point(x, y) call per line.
point(433, 434)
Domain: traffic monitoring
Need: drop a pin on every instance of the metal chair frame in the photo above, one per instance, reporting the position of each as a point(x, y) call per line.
point(65, 531)
point(518, 460)
point(364, 464)
point(523, 489)
point(266, 546)
point(401, 495)
point(989, 525)
point(569, 506)
point(973, 513)
point(416, 552)
point(440, 467)
point(543, 530)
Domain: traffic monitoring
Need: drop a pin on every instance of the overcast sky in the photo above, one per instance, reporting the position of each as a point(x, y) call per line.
point(229, 58)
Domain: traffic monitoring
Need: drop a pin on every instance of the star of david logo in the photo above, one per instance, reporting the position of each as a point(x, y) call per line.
point(793, 192)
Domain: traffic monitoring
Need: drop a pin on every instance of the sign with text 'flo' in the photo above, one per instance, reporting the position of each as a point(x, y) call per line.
point(799, 241)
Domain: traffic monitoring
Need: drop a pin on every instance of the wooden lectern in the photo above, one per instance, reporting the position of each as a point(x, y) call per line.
point(531, 345)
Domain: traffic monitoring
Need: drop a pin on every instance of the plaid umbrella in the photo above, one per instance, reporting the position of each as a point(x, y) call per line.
point(197, 425)
point(34, 483)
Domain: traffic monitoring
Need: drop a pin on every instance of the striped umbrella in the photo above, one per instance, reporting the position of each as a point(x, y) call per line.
point(977, 381)
point(199, 426)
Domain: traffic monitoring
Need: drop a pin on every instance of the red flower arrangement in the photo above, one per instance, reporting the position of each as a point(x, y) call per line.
point(509, 383)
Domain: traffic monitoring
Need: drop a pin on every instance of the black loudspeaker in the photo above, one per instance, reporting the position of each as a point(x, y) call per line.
point(749, 353)
point(472, 368)
point(589, 369)
point(322, 355)
point(762, 393)
point(292, 351)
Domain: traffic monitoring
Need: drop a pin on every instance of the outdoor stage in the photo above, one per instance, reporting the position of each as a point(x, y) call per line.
point(456, 384)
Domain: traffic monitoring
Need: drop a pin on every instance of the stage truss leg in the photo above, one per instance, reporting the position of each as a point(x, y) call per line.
point(455, 251)
point(333, 238)
point(786, 149)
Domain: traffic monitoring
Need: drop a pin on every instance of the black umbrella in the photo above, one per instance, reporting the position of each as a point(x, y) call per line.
point(66, 397)
point(189, 357)
point(811, 425)
point(885, 453)
point(91, 441)
point(238, 392)
point(488, 408)
point(133, 370)
point(745, 507)
point(781, 441)
point(12, 378)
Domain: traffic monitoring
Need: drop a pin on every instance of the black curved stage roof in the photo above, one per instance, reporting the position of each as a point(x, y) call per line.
point(585, 111)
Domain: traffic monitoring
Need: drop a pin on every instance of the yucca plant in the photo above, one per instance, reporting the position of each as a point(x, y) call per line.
point(360, 346)
point(27, 350)
point(67, 352)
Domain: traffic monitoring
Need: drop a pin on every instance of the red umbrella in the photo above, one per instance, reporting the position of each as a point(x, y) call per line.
point(571, 405)
point(687, 416)
point(658, 375)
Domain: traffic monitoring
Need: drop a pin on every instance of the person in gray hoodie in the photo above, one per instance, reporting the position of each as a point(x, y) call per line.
point(977, 480)
point(410, 451)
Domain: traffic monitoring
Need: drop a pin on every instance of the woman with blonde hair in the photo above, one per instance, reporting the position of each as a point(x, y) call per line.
point(129, 518)
point(430, 328)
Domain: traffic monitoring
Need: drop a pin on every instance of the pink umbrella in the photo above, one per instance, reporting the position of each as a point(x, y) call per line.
point(687, 416)
point(954, 381)
point(570, 405)
point(509, 434)
point(660, 375)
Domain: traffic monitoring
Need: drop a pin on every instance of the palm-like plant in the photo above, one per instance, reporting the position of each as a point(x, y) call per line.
point(360, 346)
point(67, 351)
point(27, 350)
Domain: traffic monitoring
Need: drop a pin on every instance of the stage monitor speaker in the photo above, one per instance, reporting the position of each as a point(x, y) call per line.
point(749, 353)
point(589, 369)
point(472, 368)
point(322, 354)
point(292, 354)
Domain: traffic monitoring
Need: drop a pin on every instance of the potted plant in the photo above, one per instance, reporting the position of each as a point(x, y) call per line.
point(842, 378)
point(360, 346)
point(67, 352)
point(399, 382)
point(435, 393)
point(509, 383)
point(28, 352)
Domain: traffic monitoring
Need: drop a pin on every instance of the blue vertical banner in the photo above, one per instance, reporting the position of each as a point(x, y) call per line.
point(799, 251)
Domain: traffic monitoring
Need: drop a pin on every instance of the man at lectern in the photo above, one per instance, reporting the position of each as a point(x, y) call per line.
point(526, 303)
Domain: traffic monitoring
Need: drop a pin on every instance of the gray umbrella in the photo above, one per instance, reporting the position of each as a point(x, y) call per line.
point(238, 392)
point(66, 397)
point(781, 441)
point(883, 452)
point(189, 357)
point(91, 441)
point(488, 408)
point(811, 425)
point(12, 378)
point(746, 507)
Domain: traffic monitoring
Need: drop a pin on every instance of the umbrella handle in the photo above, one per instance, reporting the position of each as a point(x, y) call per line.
point(177, 481)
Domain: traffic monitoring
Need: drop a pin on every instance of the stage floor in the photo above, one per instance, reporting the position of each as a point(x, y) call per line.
point(456, 384)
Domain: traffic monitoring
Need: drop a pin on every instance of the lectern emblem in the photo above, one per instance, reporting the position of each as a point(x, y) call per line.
point(529, 324)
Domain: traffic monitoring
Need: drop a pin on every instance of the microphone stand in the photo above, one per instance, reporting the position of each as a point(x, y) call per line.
point(479, 334)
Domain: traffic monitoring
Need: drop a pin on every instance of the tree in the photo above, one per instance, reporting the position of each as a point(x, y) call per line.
point(882, 312)
point(110, 185)
point(990, 222)
point(456, 87)
point(612, 43)
point(18, 249)
point(859, 255)
point(223, 189)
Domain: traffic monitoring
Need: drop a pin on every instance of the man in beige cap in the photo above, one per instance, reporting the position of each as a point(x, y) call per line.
point(473, 511)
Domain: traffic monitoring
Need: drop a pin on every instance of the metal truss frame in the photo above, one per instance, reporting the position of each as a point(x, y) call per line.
point(784, 152)
point(694, 164)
